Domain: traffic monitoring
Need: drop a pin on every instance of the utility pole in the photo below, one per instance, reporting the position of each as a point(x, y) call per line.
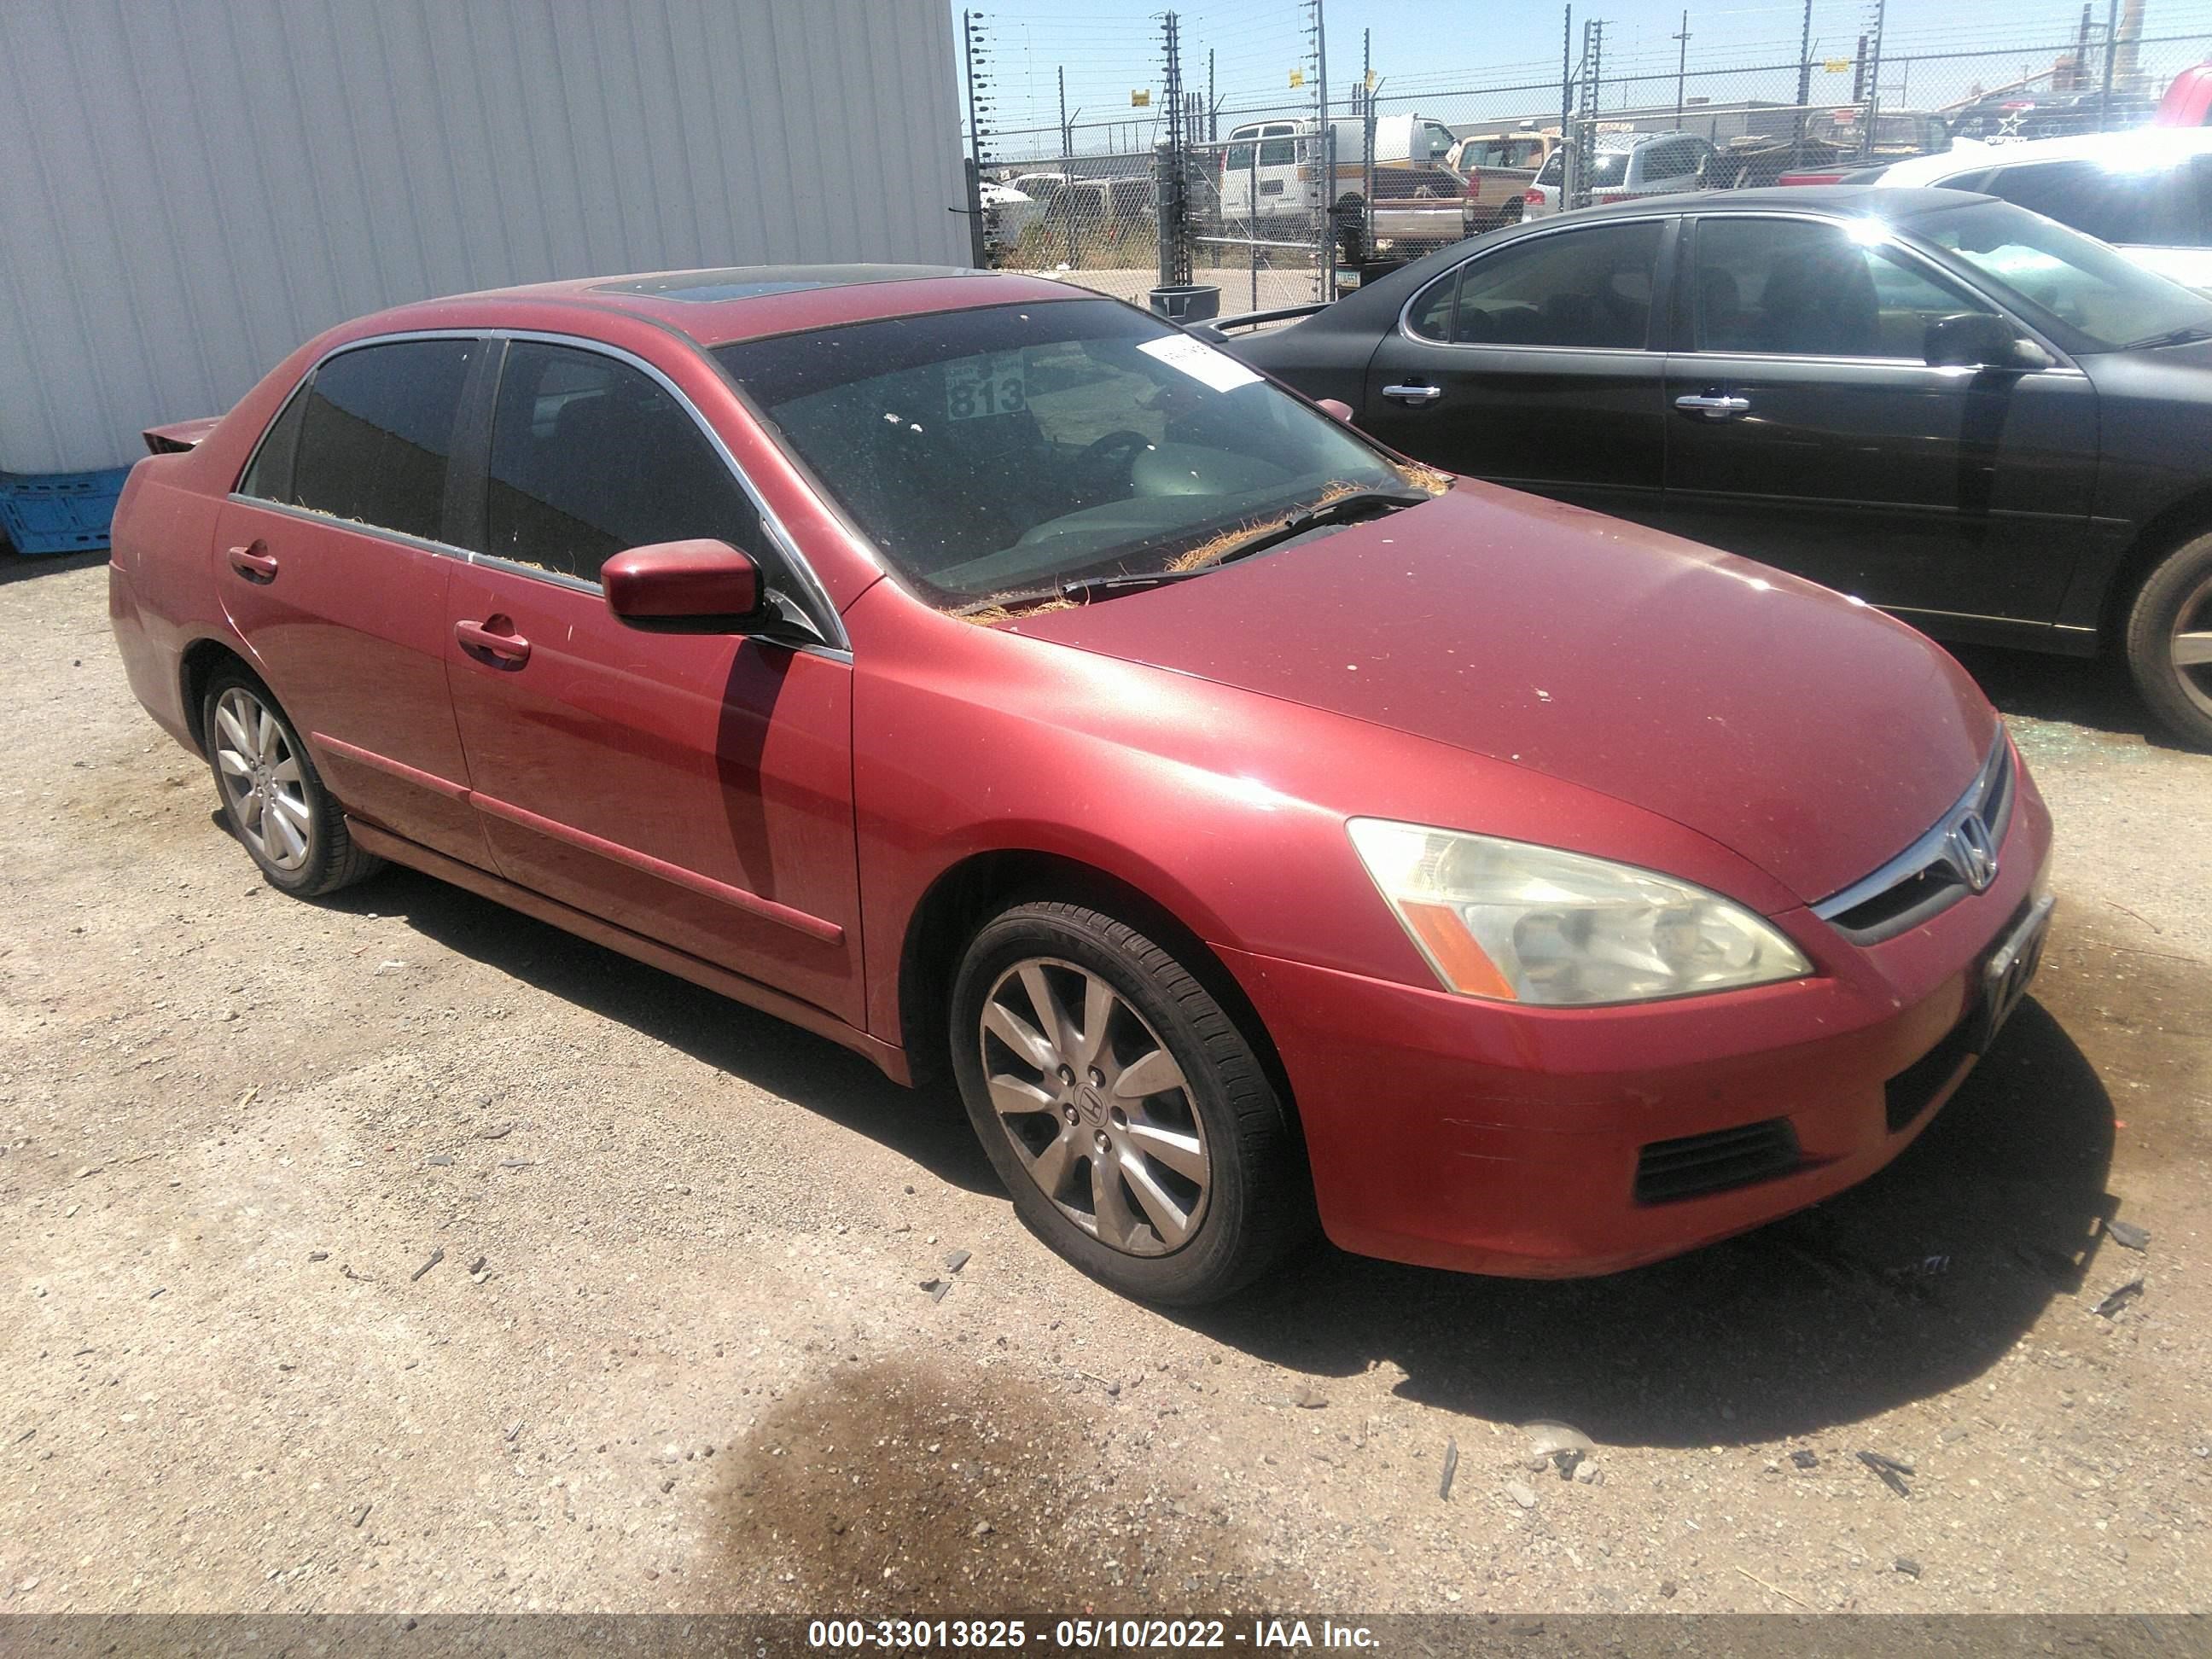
point(2112, 51)
point(975, 227)
point(1569, 163)
point(1874, 79)
point(1804, 76)
point(1681, 66)
point(1325, 156)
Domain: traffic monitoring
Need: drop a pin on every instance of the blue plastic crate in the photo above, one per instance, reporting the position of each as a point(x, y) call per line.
point(59, 512)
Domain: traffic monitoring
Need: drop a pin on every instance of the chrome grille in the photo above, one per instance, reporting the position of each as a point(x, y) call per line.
point(1958, 856)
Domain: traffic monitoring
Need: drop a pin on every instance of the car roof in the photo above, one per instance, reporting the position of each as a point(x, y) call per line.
point(2148, 146)
point(715, 308)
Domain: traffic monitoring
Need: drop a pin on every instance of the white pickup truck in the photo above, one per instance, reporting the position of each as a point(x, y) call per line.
point(1277, 164)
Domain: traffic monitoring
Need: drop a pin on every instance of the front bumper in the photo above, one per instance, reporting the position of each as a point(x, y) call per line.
point(1490, 1138)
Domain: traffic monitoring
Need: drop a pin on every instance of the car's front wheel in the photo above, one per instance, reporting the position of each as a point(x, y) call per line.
point(2169, 642)
point(272, 796)
point(1132, 1122)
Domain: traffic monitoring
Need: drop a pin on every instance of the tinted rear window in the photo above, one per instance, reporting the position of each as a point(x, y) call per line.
point(376, 434)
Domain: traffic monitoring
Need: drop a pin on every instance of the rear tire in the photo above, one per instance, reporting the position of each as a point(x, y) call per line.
point(1134, 1126)
point(273, 798)
point(2168, 641)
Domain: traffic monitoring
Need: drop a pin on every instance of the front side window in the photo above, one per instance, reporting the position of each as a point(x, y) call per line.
point(2111, 203)
point(1010, 449)
point(1803, 288)
point(376, 436)
point(2104, 299)
point(1581, 288)
point(590, 456)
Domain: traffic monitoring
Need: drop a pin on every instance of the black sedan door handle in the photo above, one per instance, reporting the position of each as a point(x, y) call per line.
point(1414, 394)
point(1713, 405)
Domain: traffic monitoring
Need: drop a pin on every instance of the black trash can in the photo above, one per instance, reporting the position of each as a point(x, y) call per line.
point(1188, 302)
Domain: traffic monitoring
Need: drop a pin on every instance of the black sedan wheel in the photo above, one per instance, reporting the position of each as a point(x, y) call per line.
point(2169, 642)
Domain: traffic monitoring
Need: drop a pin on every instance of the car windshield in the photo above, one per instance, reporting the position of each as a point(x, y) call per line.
point(2059, 275)
point(1011, 449)
point(1608, 166)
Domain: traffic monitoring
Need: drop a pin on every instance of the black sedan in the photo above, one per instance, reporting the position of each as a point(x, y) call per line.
point(1939, 403)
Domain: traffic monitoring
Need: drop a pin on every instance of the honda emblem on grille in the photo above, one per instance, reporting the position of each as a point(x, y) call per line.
point(1973, 855)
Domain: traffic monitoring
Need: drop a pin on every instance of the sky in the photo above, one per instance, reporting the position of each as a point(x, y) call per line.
point(1426, 51)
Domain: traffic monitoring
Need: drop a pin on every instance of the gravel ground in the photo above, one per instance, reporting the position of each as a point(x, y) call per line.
point(695, 1369)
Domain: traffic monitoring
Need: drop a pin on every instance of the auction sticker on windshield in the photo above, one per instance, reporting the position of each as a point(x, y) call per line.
point(985, 385)
point(1202, 362)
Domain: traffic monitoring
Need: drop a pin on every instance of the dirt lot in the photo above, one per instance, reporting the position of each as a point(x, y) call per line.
point(696, 1370)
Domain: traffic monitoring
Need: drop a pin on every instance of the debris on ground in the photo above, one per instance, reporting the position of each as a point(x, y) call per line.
point(1667, 1587)
point(957, 1261)
point(2117, 1298)
point(361, 1513)
point(1556, 1445)
point(436, 1256)
point(498, 1133)
point(514, 1429)
point(1804, 1460)
point(439, 1161)
point(346, 1269)
point(981, 1529)
point(2128, 1236)
point(1522, 1493)
point(1890, 1470)
point(1306, 1397)
point(1907, 1566)
point(936, 1288)
point(1570, 1462)
point(319, 1255)
point(477, 1265)
point(1451, 1468)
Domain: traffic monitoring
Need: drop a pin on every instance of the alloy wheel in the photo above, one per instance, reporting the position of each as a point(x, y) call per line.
point(262, 785)
point(1097, 1109)
point(2191, 647)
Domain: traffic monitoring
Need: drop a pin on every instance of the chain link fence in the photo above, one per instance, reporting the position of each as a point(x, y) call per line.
point(1279, 199)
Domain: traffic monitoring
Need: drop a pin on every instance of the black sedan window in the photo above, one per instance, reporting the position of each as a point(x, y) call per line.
point(1803, 288)
point(1588, 287)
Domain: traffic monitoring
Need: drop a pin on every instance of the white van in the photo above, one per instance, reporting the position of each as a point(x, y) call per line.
point(1417, 196)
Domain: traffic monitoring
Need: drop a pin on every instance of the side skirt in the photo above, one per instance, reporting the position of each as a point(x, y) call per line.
point(891, 1059)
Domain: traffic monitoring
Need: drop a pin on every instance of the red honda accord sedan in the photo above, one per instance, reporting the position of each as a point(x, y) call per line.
point(981, 673)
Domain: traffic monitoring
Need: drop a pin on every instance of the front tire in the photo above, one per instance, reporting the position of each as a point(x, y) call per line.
point(2169, 642)
point(1131, 1122)
point(273, 798)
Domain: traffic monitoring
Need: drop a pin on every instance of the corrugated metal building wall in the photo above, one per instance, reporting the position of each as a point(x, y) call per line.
point(191, 188)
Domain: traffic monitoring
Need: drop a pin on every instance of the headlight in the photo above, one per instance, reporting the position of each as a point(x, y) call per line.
point(1517, 923)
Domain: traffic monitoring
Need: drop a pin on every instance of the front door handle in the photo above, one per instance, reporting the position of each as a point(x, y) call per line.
point(505, 650)
point(1713, 405)
point(254, 561)
point(1414, 394)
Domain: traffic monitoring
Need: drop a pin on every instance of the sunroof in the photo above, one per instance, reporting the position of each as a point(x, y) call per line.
point(752, 282)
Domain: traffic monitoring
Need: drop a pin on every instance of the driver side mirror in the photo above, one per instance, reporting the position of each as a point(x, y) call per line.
point(1975, 339)
point(684, 588)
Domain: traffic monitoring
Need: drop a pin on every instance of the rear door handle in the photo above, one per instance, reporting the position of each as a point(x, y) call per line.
point(1713, 405)
point(1414, 394)
point(254, 561)
point(508, 650)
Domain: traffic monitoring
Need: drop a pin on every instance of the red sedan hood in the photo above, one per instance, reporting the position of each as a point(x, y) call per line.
point(1807, 733)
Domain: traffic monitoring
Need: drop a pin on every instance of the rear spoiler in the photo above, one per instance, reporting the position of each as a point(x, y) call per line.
point(179, 435)
point(1218, 328)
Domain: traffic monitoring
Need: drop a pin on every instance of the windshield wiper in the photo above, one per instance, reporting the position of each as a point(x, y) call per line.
point(1359, 504)
point(2188, 334)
